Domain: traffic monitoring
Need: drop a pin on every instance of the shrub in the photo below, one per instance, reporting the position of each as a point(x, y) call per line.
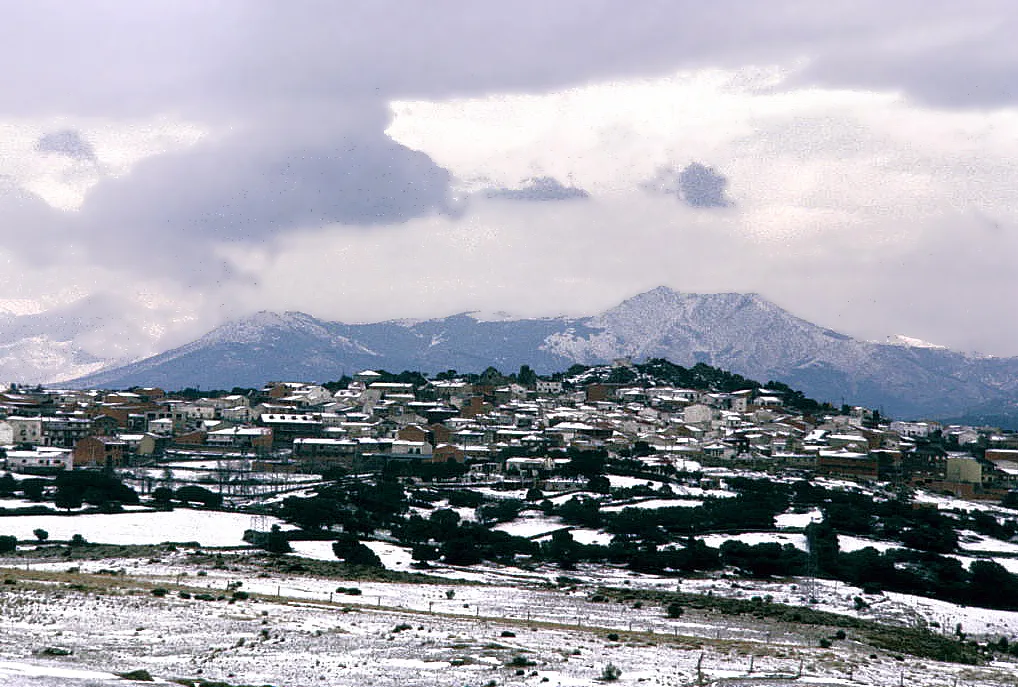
point(613, 636)
point(160, 591)
point(402, 626)
point(610, 673)
point(674, 610)
point(825, 643)
point(520, 661)
point(78, 540)
point(354, 552)
point(137, 676)
point(240, 596)
point(8, 543)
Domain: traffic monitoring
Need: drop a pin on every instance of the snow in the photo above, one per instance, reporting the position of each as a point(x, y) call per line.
point(588, 536)
point(622, 481)
point(653, 504)
point(530, 526)
point(792, 520)
point(849, 543)
point(210, 528)
point(912, 342)
point(971, 541)
point(753, 538)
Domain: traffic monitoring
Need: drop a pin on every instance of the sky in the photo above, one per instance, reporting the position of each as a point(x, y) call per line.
point(169, 165)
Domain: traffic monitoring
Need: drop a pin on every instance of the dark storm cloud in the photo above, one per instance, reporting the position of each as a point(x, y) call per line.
point(695, 185)
point(194, 56)
point(538, 189)
point(68, 143)
point(235, 191)
point(276, 72)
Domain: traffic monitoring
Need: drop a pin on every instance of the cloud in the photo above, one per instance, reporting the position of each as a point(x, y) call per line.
point(538, 189)
point(299, 158)
point(696, 185)
point(68, 143)
point(295, 169)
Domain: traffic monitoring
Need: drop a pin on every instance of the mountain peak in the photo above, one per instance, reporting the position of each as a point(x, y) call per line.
point(911, 342)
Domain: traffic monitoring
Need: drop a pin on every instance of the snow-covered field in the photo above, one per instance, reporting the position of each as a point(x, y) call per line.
point(209, 528)
point(440, 635)
point(654, 503)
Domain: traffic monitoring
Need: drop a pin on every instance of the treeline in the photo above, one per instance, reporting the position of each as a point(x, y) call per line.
point(664, 540)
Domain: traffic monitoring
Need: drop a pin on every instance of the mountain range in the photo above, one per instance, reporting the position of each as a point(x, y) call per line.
point(743, 333)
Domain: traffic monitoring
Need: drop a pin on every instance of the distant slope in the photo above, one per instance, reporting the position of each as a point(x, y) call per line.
point(743, 333)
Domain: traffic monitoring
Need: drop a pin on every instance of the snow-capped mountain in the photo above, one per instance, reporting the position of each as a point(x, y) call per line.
point(740, 332)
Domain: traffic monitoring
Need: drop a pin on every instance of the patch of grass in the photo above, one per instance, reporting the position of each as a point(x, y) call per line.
point(137, 675)
point(917, 642)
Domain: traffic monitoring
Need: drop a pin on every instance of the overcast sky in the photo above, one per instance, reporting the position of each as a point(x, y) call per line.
point(176, 164)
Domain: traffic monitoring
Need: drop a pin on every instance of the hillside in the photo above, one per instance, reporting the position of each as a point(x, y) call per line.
point(743, 333)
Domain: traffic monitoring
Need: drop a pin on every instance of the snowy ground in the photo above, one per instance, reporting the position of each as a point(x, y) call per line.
point(298, 631)
point(210, 528)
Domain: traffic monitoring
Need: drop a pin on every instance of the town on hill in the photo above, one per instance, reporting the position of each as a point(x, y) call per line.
point(693, 490)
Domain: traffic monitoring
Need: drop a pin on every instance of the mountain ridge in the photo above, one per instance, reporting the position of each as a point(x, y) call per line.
point(744, 333)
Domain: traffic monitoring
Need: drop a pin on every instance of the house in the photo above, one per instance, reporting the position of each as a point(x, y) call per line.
point(243, 438)
point(845, 463)
point(548, 387)
point(140, 444)
point(40, 460)
point(289, 426)
point(64, 431)
point(104, 452)
point(697, 413)
point(27, 430)
point(961, 468)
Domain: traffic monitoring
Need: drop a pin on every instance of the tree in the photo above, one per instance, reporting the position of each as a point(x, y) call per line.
point(40, 534)
point(823, 546)
point(67, 499)
point(492, 377)
point(444, 519)
point(526, 376)
point(8, 543)
point(196, 494)
point(353, 552)
point(162, 495)
point(563, 550)
point(8, 485)
point(599, 484)
point(33, 488)
point(276, 541)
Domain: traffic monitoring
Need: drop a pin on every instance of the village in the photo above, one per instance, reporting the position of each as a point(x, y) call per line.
point(506, 431)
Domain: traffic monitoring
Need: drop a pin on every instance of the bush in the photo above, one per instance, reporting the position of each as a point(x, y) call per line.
point(160, 591)
point(137, 676)
point(196, 494)
point(78, 540)
point(674, 610)
point(240, 596)
point(520, 661)
point(8, 543)
point(354, 552)
point(825, 643)
point(610, 673)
